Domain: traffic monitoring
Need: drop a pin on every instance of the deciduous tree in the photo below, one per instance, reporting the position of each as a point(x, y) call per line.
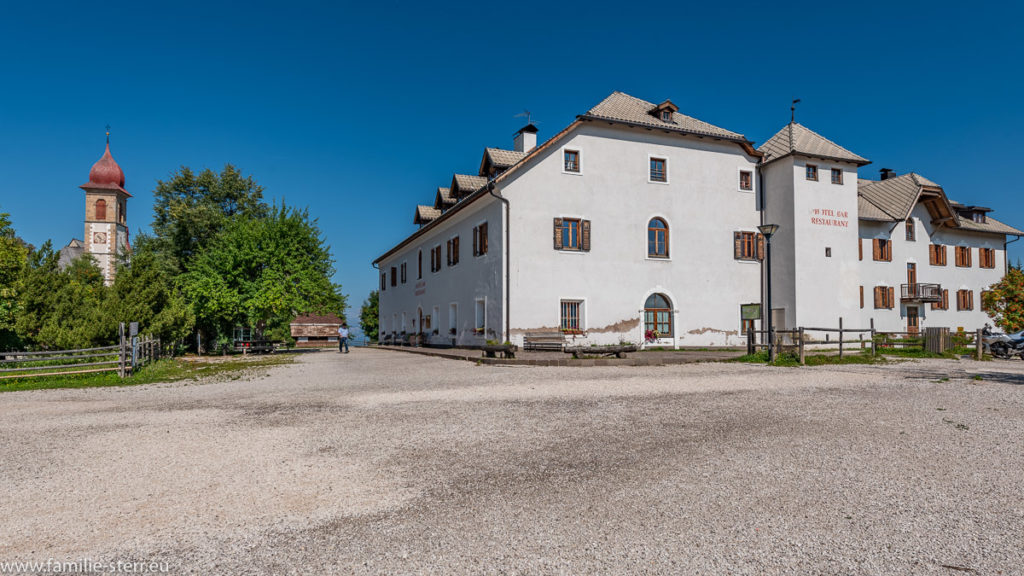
point(369, 320)
point(1004, 301)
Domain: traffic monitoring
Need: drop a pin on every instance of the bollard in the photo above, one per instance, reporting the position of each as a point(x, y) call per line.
point(979, 345)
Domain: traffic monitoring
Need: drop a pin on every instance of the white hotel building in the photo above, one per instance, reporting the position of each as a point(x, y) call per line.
point(638, 222)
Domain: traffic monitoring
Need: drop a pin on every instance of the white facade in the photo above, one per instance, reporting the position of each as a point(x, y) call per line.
point(601, 181)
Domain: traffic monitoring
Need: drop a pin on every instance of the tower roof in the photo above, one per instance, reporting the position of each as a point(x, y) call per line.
point(796, 138)
point(106, 174)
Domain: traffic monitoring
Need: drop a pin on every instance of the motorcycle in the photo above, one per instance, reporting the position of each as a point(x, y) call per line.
point(1003, 345)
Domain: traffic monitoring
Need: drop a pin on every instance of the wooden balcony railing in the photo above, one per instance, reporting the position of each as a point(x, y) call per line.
point(921, 292)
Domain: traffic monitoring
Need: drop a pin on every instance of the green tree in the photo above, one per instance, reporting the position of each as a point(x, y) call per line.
point(262, 272)
point(144, 292)
point(61, 309)
point(13, 254)
point(190, 210)
point(369, 320)
point(1004, 301)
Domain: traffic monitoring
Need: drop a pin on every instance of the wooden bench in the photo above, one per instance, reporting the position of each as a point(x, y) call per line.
point(617, 351)
point(551, 341)
point(506, 350)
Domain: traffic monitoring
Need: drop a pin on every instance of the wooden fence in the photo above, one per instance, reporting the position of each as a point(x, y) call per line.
point(125, 357)
point(935, 340)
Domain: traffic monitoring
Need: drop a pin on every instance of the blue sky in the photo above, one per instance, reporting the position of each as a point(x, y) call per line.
point(359, 112)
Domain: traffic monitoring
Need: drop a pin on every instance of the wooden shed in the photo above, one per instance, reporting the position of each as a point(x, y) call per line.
point(315, 331)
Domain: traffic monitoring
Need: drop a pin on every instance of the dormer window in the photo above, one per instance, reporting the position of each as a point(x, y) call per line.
point(978, 217)
point(664, 111)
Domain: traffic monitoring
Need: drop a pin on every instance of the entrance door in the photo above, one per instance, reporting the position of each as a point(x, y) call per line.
point(913, 322)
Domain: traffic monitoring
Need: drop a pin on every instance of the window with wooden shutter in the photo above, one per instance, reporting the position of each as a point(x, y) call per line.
point(881, 250)
point(448, 252)
point(394, 277)
point(383, 282)
point(963, 256)
point(455, 250)
point(571, 234)
point(403, 269)
point(480, 240)
point(419, 265)
point(987, 257)
point(746, 245)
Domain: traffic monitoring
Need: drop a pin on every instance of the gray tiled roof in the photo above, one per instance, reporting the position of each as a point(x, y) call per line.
point(426, 214)
point(503, 158)
point(893, 198)
point(467, 183)
point(795, 138)
point(443, 198)
point(626, 108)
point(868, 211)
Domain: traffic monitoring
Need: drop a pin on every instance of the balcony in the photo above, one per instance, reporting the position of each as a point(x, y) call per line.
point(921, 292)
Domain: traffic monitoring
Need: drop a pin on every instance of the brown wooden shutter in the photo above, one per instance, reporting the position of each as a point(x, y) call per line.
point(862, 297)
point(557, 238)
point(476, 241)
point(888, 250)
point(892, 297)
point(483, 238)
point(878, 296)
point(448, 252)
point(860, 251)
point(760, 246)
point(967, 251)
point(933, 255)
point(455, 250)
point(585, 233)
point(876, 249)
point(737, 242)
point(970, 299)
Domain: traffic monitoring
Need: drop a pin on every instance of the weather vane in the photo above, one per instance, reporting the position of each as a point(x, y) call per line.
point(108, 133)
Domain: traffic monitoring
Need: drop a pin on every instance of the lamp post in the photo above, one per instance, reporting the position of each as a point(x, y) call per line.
point(768, 230)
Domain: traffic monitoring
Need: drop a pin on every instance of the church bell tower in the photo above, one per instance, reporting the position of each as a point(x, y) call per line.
point(106, 218)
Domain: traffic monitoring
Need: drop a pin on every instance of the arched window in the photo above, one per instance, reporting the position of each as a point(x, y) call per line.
point(101, 209)
point(657, 317)
point(657, 238)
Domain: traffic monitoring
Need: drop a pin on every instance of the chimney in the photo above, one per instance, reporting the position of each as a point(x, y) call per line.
point(526, 139)
point(887, 173)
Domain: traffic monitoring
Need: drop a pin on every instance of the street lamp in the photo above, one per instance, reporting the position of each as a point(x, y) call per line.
point(767, 230)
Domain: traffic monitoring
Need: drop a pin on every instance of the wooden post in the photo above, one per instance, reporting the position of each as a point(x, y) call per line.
point(840, 337)
point(800, 335)
point(121, 352)
point(979, 345)
point(750, 341)
point(874, 348)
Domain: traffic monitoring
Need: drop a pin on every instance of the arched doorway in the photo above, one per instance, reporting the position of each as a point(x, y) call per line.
point(657, 317)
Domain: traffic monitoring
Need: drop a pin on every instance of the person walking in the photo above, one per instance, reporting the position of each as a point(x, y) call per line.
point(343, 338)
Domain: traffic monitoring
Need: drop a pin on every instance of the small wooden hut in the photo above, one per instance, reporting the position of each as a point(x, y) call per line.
point(315, 331)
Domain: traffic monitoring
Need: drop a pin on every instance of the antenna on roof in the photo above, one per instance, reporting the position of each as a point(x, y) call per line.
point(792, 110)
point(525, 114)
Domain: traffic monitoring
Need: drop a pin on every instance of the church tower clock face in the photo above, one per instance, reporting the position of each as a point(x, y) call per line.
point(99, 238)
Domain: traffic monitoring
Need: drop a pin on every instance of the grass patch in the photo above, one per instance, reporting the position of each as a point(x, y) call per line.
point(788, 359)
point(166, 370)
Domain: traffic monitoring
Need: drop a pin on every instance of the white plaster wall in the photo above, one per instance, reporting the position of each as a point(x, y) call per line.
point(701, 203)
point(825, 216)
point(462, 284)
point(950, 277)
point(779, 209)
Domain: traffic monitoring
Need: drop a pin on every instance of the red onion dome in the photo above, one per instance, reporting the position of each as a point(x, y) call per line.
point(106, 172)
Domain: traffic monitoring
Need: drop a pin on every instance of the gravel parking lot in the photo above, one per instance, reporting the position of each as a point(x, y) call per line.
point(381, 462)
